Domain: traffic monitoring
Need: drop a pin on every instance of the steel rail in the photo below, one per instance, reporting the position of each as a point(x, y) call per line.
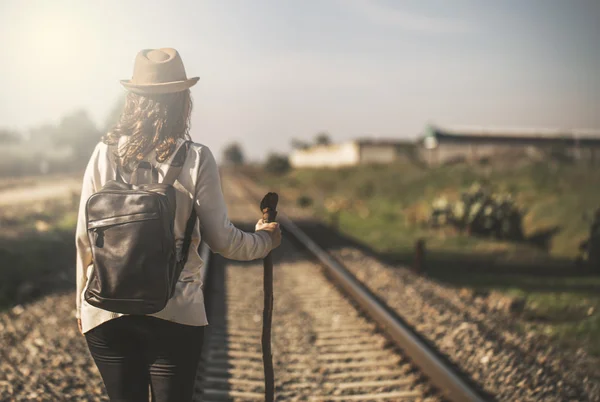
point(439, 373)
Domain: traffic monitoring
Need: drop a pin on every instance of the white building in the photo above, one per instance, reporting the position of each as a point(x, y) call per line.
point(351, 153)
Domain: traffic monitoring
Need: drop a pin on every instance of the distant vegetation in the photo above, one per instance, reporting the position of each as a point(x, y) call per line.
point(37, 250)
point(9, 137)
point(388, 208)
point(556, 197)
point(233, 154)
point(322, 138)
point(53, 148)
point(480, 211)
point(277, 164)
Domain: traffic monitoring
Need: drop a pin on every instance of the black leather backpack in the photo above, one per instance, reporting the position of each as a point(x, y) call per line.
point(131, 233)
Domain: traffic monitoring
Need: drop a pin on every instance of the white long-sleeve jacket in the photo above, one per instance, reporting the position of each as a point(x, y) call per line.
point(198, 186)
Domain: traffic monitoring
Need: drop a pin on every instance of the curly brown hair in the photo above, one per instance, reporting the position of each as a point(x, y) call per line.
point(151, 122)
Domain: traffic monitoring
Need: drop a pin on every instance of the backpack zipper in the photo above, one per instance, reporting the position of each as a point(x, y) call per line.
point(98, 237)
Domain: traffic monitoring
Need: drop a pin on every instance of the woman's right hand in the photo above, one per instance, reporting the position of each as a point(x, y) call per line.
point(272, 229)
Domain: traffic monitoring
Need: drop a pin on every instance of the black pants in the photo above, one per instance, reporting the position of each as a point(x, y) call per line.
point(133, 352)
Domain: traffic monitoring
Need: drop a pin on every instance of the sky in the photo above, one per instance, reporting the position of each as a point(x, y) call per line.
point(273, 70)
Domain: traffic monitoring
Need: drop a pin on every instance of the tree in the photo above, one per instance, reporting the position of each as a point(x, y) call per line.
point(299, 144)
point(233, 154)
point(114, 114)
point(78, 131)
point(322, 138)
point(44, 133)
point(277, 164)
point(9, 136)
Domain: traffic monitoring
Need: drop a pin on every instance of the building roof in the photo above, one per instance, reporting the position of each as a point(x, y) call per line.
point(384, 142)
point(533, 136)
point(390, 142)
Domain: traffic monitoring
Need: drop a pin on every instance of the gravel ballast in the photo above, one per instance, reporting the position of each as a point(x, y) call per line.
point(43, 357)
point(482, 342)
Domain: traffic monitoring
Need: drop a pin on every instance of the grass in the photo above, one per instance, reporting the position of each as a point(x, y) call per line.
point(37, 250)
point(556, 197)
point(388, 205)
point(563, 308)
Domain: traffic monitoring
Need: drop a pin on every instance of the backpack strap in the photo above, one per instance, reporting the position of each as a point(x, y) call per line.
point(113, 152)
point(112, 159)
point(173, 171)
point(176, 163)
point(135, 174)
point(187, 239)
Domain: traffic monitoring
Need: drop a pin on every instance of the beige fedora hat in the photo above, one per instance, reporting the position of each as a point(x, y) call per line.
point(158, 71)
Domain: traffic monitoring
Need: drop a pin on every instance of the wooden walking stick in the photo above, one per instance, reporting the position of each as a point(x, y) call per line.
point(268, 206)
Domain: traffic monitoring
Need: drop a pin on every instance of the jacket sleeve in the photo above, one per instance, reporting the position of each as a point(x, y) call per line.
point(217, 230)
point(84, 251)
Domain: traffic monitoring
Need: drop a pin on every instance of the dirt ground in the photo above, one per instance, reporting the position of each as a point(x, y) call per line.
point(40, 191)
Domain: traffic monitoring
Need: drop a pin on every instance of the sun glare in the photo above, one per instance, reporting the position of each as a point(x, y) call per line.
point(50, 39)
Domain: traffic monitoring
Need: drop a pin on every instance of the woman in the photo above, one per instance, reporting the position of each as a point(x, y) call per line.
point(161, 350)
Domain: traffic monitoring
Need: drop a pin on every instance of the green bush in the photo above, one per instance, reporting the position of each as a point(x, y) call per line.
point(277, 164)
point(304, 201)
point(233, 154)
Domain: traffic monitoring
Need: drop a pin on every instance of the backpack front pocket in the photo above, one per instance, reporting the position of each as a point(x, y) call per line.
point(98, 227)
point(127, 250)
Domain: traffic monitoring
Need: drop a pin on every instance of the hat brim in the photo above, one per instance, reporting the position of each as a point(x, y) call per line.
point(160, 88)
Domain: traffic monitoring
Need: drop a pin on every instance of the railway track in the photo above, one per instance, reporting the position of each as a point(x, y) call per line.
point(324, 349)
point(44, 358)
point(330, 342)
